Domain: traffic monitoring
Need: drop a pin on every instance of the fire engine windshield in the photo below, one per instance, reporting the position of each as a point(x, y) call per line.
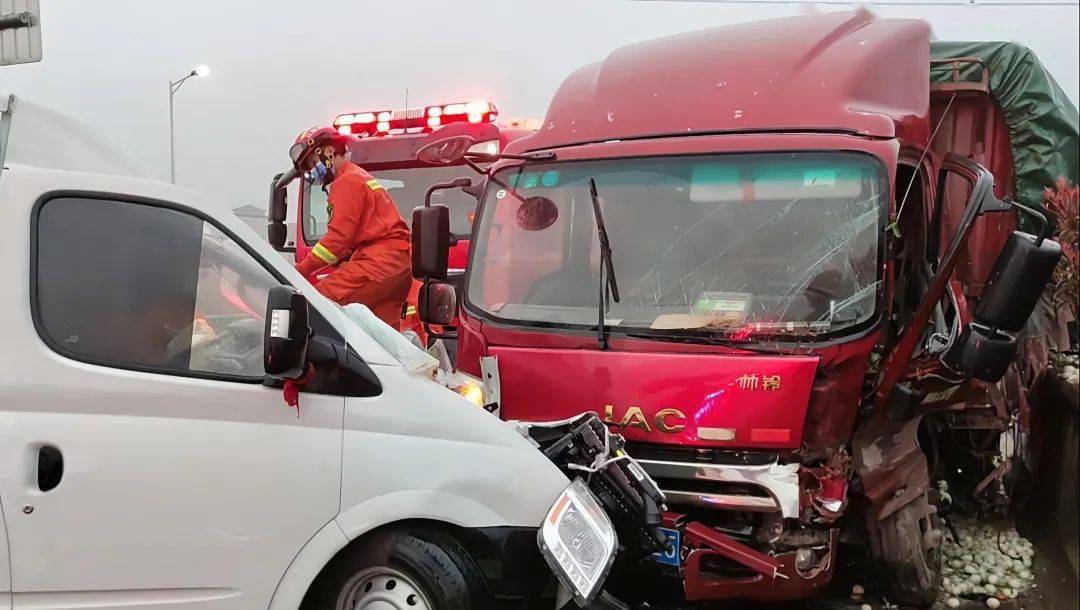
point(756, 243)
point(407, 188)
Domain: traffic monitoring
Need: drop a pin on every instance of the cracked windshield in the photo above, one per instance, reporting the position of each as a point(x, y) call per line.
point(777, 243)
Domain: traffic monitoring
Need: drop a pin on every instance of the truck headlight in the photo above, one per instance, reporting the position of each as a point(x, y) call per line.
point(470, 387)
point(578, 541)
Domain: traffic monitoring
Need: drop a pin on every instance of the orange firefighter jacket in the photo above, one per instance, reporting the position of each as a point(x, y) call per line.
point(366, 236)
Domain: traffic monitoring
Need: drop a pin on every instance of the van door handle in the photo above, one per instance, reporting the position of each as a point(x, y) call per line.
point(50, 467)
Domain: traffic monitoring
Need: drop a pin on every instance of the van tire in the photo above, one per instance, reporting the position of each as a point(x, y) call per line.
point(433, 563)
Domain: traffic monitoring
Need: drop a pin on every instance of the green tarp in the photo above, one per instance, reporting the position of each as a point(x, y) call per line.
point(1043, 122)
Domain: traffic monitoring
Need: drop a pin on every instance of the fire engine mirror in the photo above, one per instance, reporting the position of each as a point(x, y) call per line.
point(278, 208)
point(1017, 280)
point(276, 234)
point(286, 333)
point(437, 303)
point(276, 231)
point(537, 213)
point(430, 241)
point(981, 352)
point(446, 151)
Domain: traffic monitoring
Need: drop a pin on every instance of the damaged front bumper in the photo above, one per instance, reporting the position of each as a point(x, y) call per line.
point(764, 577)
point(755, 529)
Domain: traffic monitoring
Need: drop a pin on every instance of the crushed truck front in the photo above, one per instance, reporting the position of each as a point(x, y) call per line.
point(748, 241)
point(785, 273)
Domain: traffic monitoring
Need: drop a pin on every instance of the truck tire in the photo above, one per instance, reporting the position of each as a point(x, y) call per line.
point(406, 569)
point(906, 549)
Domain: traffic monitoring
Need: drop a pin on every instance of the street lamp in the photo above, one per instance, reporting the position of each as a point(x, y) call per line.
point(174, 86)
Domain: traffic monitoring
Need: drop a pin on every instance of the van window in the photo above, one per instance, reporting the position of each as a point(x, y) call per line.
point(148, 288)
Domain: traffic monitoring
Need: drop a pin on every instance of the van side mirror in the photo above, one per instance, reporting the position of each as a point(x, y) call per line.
point(276, 229)
point(437, 303)
point(430, 241)
point(1021, 272)
point(286, 333)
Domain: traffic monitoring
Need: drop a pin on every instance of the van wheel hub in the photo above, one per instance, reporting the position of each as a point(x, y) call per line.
point(382, 588)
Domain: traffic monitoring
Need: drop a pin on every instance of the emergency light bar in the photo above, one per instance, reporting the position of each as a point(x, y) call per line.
point(414, 120)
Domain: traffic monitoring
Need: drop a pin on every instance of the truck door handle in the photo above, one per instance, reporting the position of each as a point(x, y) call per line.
point(50, 467)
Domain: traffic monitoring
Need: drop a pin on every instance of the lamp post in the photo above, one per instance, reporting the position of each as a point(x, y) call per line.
point(174, 86)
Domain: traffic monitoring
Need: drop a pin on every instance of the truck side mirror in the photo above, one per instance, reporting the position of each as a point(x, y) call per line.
point(981, 352)
point(286, 333)
point(430, 241)
point(437, 303)
point(1021, 272)
point(1017, 280)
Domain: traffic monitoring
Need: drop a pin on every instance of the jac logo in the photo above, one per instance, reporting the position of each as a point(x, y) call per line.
point(668, 421)
point(755, 381)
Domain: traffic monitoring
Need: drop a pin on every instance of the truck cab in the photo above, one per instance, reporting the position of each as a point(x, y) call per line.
point(765, 269)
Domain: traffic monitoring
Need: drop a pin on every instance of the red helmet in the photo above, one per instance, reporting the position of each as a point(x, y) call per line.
point(314, 141)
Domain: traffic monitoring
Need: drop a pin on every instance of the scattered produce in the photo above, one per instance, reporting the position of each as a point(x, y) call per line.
point(984, 561)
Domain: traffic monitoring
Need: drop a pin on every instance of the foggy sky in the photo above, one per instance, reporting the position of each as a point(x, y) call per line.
point(279, 67)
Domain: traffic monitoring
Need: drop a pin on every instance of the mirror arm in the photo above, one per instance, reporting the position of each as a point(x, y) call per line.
point(432, 334)
point(284, 178)
point(1040, 218)
point(321, 351)
point(536, 156)
point(475, 190)
point(442, 186)
point(476, 168)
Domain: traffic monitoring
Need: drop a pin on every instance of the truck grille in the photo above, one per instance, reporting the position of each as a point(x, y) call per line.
point(769, 487)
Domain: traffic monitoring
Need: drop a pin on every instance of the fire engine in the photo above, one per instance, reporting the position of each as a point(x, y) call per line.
point(385, 145)
point(788, 271)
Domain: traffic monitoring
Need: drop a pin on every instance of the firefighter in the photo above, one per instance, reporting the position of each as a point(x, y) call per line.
point(366, 238)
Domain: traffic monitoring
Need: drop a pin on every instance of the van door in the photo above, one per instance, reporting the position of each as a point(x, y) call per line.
point(153, 468)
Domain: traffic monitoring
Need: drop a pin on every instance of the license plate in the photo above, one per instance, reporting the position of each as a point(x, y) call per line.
point(671, 557)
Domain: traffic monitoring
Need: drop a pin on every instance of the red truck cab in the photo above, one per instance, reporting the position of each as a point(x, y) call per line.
point(801, 229)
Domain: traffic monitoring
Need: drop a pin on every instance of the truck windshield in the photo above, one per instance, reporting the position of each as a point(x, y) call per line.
point(407, 188)
point(757, 243)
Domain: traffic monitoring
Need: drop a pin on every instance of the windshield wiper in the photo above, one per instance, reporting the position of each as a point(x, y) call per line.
point(608, 284)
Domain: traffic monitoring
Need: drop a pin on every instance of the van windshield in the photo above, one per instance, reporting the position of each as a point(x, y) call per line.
point(407, 188)
point(777, 243)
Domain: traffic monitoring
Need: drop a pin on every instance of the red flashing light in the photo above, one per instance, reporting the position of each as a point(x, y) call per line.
point(414, 120)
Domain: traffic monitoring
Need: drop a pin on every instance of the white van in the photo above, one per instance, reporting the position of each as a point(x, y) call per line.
point(147, 462)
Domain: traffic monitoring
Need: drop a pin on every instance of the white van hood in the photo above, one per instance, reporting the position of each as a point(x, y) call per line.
point(438, 457)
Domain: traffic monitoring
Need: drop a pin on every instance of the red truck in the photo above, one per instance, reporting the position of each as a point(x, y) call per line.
point(781, 259)
point(386, 144)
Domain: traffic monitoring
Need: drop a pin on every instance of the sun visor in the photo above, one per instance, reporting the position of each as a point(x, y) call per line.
point(715, 183)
